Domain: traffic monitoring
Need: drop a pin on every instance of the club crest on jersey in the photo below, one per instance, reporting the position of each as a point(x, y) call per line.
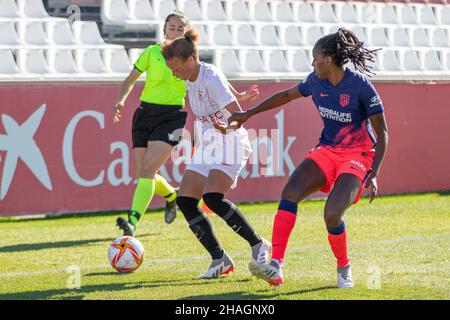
point(344, 100)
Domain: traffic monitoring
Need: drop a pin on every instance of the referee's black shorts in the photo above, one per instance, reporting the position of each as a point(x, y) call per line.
point(154, 122)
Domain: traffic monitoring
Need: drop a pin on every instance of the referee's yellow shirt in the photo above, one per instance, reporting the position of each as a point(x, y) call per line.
point(161, 87)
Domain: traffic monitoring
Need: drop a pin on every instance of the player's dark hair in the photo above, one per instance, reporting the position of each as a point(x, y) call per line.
point(182, 48)
point(343, 46)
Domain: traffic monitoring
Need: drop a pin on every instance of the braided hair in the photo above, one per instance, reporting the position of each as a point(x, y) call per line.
point(343, 46)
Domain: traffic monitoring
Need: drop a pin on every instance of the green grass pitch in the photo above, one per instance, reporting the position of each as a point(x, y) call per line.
point(399, 248)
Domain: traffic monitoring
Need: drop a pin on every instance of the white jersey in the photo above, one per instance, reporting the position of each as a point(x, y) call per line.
point(209, 95)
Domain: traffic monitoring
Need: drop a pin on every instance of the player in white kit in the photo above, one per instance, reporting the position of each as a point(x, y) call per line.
point(221, 153)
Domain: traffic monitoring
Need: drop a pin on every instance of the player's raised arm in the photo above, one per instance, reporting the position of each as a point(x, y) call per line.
point(378, 122)
point(278, 99)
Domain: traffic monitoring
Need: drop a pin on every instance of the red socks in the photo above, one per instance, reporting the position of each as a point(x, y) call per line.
point(282, 227)
point(338, 242)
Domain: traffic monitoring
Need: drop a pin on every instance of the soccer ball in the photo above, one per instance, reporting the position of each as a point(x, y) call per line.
point(126, 254)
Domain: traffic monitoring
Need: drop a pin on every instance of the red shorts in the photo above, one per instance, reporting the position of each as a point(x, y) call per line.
point(333, 162)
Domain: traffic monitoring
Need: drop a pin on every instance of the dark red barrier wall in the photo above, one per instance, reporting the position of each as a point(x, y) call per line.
point(418, 158)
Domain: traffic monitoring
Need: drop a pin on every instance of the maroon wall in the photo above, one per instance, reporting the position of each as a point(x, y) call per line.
point(93, 178)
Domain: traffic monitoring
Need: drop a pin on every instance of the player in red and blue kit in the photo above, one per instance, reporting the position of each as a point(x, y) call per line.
point(347, 158)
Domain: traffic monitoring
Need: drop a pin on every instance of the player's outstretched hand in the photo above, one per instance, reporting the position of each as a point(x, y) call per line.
point(117, 112)
point(224, 127)
point(239, 117)
point(372, 186)
point(249, 95)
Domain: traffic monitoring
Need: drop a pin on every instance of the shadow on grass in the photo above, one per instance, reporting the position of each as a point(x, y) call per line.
point(444, 193)
point(242, 295)
point(111, 287)
point(58, 216)
point(57, 245)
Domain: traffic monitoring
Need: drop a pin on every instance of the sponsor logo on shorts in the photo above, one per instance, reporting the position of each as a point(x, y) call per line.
point(359, 164)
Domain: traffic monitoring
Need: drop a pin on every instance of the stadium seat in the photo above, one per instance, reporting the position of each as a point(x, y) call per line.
point(32, 33)
point(440, 37)
point(60, 33)
point(388, 14)
point(299, 61)
point(376, 64)
point(407, 14)
point(32, 61)
point(61, 61)
point(215, 11)
point(447, 61)
point(34, 9)
point(368, 12)
point(141, 10)
point(346, 12)
point(267, 35)
point(89, 61)
point(431, 62)
point(114, 12)
point(420, 37)
point(444, 15)
point(192, 9)
point(222, 35)
point(390, 61)
point(8, 34)
point(244, 35)
point(291, 35)
point(325, 11)
point(313, 34)
point(204, 38)
point(239, 11)
point(360, 33)
point(134, 54)
point(228, 62)
point(9, 9)
point(276, 61)
point(284, 12)
point(165, 8)
point(304, 12)
point(378, 37)
point(426, 14)
point(261, 11)
point(410, 62)
point(8, 67)
point(399, 37)
point(252, 61)
point(86, 32)
point(117, 60)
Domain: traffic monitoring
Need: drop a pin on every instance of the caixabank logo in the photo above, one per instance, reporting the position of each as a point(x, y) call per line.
point(19, 145)
point(67, 157)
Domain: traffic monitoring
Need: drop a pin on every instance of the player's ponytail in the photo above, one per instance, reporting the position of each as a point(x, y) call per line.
point(343, 46)
point(182, 48)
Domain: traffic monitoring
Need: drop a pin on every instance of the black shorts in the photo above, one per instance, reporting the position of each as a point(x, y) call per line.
point(154, 122)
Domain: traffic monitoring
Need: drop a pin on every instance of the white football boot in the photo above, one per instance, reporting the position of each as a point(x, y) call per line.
point(218, 267)
point(344, 277)
point(260, 255)
point(270, 272)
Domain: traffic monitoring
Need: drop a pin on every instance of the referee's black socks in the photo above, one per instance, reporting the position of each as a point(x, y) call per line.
point(200, 225)
point(232, 216)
